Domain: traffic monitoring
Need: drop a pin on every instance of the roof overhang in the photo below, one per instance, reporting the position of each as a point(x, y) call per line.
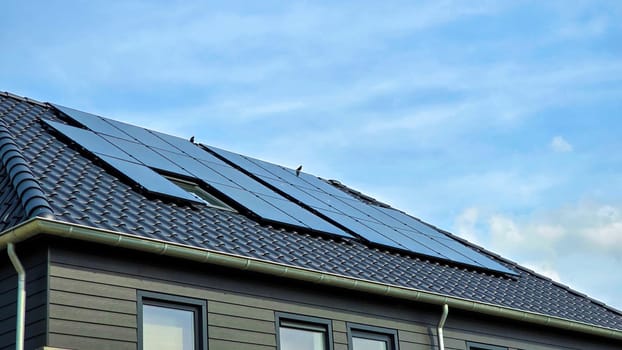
point(43, 226)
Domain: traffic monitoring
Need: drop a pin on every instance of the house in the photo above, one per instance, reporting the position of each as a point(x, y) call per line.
point(118, 237)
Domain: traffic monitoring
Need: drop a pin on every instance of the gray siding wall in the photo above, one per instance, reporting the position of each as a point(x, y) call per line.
point(93, 306)
point(35, 262)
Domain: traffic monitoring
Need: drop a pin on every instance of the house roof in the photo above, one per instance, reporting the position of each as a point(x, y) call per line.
point(76, 188)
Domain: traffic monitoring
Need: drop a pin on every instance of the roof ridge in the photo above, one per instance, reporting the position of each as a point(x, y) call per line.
point(355, 193)
point(25, 99)
point(29, 191)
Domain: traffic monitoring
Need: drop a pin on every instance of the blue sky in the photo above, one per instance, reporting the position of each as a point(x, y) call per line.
point(497, 120)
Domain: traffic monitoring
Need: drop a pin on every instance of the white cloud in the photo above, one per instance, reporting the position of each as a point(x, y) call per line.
point(465, 224)
point(579, 244)
point(559, 144)
point(504, 231)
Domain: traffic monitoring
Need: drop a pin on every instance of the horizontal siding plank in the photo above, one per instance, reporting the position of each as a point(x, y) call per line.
point(339, 326)
point(32, 301)
point(240, 310)
point(34, 315)
point(73, 342)
point(32, 331)
point(32, 342)
point(340, 337)
point(32, 272)
point(71, 313)
point(413, 346)
point(92, 330)
point(217, 344)
point(92, 302)
point(415, 337)
point(235, 322)
point(91, 288)
point(32, 287)
point(242, 336)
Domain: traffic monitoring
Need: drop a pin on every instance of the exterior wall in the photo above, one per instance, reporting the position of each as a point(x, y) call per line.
point(34, 259)
point(93, 292)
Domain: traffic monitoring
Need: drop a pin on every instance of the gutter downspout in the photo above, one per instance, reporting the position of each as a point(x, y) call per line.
point(441, 324)
point(21, 297)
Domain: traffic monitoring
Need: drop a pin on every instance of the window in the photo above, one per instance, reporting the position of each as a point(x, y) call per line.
point(478, 346)
point(198, 192)
point(297, 332)
point(167, 322)
point(362, 337)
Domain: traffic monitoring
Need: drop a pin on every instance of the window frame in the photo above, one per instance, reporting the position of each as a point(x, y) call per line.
point(303, 320)
point(481, 346)
point(355, 330)
point(174, 302)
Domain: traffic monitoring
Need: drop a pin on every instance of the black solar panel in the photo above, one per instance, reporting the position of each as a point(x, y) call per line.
point(187, 147)
point(146, 155)
point(141, 135)
point(149, 179)
point(376, 224)
point(89, 140)
point(91, 121)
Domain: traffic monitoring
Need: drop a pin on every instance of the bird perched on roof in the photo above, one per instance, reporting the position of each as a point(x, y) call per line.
point(298, 170)
point(192, 139)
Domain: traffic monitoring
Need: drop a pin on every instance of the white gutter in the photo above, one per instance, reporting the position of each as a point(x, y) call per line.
point(37, 226)
point(21, 297)
point(439, 329)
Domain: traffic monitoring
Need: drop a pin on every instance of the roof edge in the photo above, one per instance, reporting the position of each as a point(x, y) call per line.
point(28, 189)
point(25, 99)
point(36, 226)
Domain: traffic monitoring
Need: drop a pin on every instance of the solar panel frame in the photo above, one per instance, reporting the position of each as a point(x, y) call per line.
point(88, 140)
point(188, 148)
point(258, 205)
point(361, 229)
point(91, 121)
point(244, 162)
point(197, 169)
point(146, 155)
point(150, 180)
point(141, 135)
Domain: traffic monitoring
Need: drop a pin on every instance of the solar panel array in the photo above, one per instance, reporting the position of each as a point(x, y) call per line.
point(135, 152)
point(374, 223)
point(270, 192)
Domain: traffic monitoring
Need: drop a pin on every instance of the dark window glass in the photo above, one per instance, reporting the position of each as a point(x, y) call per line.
point(369, 344)
point(363, 337)
point(171, 323)
point(303, 333)
point(168, 328)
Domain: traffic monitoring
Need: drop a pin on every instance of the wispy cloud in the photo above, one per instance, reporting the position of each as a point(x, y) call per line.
point(559, 144)
point(554, 242)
